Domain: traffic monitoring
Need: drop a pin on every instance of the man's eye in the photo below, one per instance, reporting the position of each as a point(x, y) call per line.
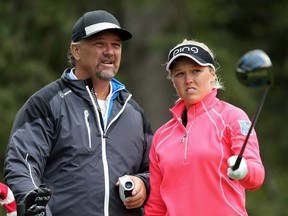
point(117, 45)
point(98, 44)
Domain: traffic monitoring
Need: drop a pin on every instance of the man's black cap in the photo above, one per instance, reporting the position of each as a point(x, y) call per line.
point(96, 21)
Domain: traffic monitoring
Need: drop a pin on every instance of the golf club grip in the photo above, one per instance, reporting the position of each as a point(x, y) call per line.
point(237, 163)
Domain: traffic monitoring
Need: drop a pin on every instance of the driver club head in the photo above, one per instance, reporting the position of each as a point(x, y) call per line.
point(254, 69)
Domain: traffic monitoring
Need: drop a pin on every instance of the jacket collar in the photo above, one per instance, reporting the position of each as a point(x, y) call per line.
point(206, 104)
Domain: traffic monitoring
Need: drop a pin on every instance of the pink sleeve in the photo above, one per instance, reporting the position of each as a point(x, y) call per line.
point(256, 171)
point(154, 206)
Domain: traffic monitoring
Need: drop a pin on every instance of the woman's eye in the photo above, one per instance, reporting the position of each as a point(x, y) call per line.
point(178, 74)
point(196, 71)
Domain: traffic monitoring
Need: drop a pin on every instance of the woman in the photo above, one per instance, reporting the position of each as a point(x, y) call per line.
point(192, 154)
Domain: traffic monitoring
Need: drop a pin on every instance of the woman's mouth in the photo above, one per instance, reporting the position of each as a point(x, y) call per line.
point(190, 89)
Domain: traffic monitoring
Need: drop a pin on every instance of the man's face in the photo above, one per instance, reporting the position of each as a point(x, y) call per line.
point(99, 55)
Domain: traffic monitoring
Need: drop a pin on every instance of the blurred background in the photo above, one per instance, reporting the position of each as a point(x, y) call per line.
point(35, 37)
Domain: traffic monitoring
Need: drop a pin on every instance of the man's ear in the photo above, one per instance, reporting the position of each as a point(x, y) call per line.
point(75, 50)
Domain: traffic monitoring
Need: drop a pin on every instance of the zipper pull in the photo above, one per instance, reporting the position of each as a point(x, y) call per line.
point(105, 136)
point(184, 137)
point(86, 113)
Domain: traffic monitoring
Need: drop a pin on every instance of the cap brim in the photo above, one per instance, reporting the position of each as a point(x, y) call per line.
point(195, 58)
point(124, 34)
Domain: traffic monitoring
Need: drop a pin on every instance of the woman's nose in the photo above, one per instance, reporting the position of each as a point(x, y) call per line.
point(189, 78)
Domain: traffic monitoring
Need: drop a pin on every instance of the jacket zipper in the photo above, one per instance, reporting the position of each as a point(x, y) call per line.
point(186, 135)
point(103, 143)
point(86, 114)
point(103, 147)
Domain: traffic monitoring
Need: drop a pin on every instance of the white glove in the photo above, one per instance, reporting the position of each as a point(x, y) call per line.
point(239, 173)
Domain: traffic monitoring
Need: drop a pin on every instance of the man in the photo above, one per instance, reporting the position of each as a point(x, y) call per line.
point(82, 132)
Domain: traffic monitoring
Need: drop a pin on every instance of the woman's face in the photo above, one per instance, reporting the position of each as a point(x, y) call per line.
point(191, 80)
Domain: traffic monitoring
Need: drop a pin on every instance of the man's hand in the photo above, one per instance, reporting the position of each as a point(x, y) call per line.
point(138, 194)
point(36, 200)
point(35, 210)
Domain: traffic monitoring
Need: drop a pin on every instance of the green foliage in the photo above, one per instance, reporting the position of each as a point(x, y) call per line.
point(35, 36)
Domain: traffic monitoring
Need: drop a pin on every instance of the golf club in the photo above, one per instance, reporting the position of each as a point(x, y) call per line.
point(253, 70)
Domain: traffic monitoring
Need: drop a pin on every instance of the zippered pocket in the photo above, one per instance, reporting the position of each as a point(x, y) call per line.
point(86, 115)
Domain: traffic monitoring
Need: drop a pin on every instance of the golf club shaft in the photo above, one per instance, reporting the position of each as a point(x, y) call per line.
point(253, 123)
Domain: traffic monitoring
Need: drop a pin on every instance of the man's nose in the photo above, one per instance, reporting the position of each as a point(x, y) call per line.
point(109, 49)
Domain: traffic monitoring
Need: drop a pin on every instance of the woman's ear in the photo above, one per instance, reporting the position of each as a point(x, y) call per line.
point(213, 73)
point(172, 80)
point(174, 85)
